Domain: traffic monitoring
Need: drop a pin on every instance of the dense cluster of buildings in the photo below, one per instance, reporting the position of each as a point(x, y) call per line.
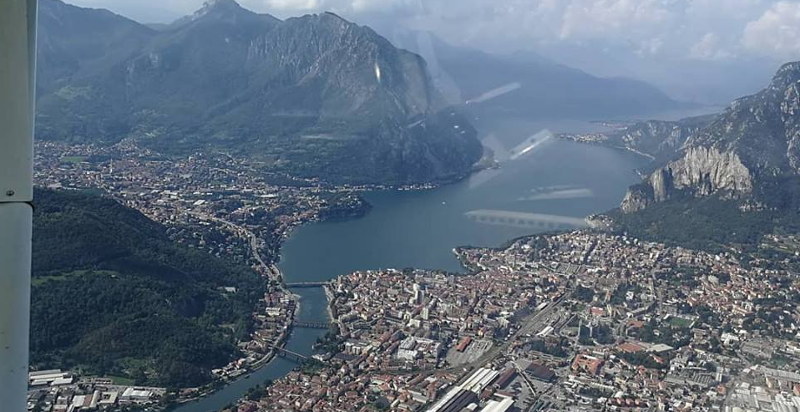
point(273, 321)
point(574, 321)
point(216, 203)
point(59, 391)
point(213, 202)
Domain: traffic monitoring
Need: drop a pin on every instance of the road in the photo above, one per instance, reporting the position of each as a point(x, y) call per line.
point(270, 271)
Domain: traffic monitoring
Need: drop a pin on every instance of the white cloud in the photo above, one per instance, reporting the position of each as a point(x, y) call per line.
point(776, 32)
point(709, 48)
point(675, 29)
point(628, 18)
point(294, 4)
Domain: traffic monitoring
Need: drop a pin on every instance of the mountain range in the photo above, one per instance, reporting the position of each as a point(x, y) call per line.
point(528, 84)
point(736, 174)
point(752, 145)
point(315, 96)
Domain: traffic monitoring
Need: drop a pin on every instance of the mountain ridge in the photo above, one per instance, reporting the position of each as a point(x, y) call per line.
point(545, 88)
point(754, 141)
point(315, 96)
point(660, 140)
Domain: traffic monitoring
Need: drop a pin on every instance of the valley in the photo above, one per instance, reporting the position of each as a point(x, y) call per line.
point(240, 212)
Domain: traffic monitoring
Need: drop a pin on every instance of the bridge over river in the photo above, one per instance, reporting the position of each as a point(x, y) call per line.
point(290, 355)
point(306, 284)
point(312, 325)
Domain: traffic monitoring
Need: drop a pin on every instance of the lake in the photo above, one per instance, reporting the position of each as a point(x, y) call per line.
point(544, 183)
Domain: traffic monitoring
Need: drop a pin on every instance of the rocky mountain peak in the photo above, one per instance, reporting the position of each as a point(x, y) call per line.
point(755, 141)
point(220, 5)
point(220, 9)
point(332, 15)
point(788, 73)
point(321, 96)
point(326, 19)
point(227, 18)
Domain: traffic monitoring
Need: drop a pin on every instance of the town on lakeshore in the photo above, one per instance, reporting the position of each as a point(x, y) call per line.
point(582, 320)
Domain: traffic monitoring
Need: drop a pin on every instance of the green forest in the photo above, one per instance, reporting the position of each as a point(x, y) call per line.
point(708, 223)
point(113, 295)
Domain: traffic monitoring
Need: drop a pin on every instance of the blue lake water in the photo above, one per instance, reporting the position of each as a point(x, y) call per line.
point(530, 193)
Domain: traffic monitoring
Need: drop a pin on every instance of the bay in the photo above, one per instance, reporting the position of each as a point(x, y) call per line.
point(542, 181)
point(420, 228)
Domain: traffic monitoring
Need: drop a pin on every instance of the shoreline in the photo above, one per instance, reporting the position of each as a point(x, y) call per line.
point(330, 306)
point(274, 273)
point(602, 143)
point(289, 231)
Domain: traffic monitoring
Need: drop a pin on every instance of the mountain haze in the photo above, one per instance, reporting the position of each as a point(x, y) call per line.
point(312, 96)
point(659, 140)
point(542, 88)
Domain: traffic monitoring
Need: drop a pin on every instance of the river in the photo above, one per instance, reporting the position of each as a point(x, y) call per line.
point(553, 179)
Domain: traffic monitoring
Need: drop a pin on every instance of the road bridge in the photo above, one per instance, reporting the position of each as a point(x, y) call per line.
point(306, 284)
point(311, 325)
point(290, 355)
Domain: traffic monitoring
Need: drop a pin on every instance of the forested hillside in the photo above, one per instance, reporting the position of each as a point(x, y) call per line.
point(115, 296)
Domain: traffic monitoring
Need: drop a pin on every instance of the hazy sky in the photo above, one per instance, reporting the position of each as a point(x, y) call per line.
point(644, 38)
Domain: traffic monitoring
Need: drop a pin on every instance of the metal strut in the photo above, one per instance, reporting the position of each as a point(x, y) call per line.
point(17, 90)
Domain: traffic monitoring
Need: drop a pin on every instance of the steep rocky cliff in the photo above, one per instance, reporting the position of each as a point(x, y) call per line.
point(754, 143)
